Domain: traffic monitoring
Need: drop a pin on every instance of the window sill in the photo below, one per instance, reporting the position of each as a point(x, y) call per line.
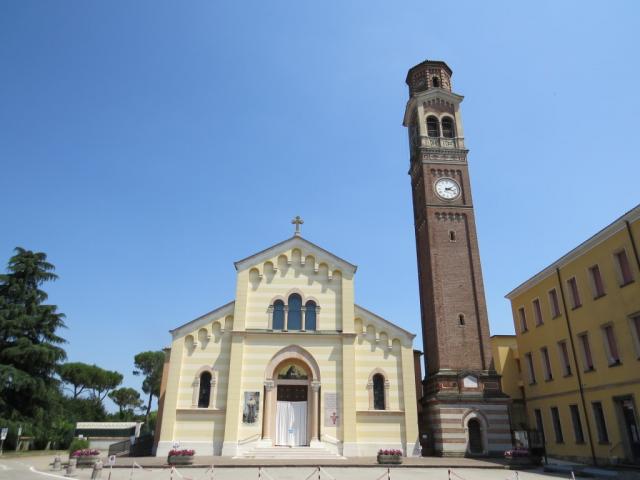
point(622, 285)
point(576, 307)
point(615, 364)
point(199, 410)
point(556, 316)
point(599, 296)
point(382, 412)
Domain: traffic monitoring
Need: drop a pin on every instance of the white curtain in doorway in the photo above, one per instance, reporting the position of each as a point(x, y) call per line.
point(291, 423)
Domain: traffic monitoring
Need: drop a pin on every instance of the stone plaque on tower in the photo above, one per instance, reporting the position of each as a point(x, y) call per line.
point(464, 410)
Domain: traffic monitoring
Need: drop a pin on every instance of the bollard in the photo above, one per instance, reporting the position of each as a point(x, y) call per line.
point(388, 473)
point(96, 474)
point(259, 473)
point(573, 477)
point(318, 472)
point(57, 463)
point(71, 467)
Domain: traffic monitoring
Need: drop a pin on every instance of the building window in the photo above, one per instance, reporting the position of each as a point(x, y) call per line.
point(557, 426)
point(539, 424)
point(294, 315)
point(611, 346)
point(548, 375)
point(461, 319)
point(278, 315)
point(523, 319)
point(452, 236)
point(204, 392)
point(575, 295)
point(597, 284)
point(601, 426)
point(624, 268)
point(537, 312)
point(310, 315)
point(447, 128)
point(378, 392)
point(586, 352)
point(553, 302)
point(433, 128)
point(435, 81)
point(635, 332)
point(532, 372)
point(577, 424)
point(564, 355)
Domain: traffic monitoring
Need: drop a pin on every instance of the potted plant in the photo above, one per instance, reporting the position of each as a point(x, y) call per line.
point(180, 457)
point(390, 456)
point(86, 456)
point(521, 457)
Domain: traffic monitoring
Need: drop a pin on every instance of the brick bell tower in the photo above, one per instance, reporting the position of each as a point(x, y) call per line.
point(464, 409)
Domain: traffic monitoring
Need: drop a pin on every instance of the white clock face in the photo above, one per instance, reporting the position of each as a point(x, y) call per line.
point(447, 188)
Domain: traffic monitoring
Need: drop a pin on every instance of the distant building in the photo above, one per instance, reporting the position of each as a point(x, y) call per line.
point(504, 351)
point(577, 326)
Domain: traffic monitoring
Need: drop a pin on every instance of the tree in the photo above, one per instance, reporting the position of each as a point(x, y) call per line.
point(29, 345)
point(127, 399)
point(150, 364)
point(84, 377)
point(77, 375)
point(103, 381)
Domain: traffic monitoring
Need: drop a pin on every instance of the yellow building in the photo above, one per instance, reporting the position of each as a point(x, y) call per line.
point(577, 325)
point(504, 351)
point(291, 362)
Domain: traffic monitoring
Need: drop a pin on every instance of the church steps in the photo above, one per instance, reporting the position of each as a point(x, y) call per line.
point(291, 453)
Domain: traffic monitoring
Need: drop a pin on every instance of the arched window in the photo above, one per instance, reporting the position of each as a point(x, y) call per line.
point(278, 315)
point(435, 81)
point(433, 129)
point(204, 394)
point(378, 392)
point(310, 315)
point(447, 128)
point(461, 319)
point(294, 320)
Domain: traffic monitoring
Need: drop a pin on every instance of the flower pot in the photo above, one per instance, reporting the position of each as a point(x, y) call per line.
point(86, 460)
point(180, 459)
point(389, 459)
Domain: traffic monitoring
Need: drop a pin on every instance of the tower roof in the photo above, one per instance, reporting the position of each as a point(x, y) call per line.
point(428, 63)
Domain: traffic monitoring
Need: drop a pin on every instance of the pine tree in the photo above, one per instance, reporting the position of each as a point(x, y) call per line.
point(29, 345)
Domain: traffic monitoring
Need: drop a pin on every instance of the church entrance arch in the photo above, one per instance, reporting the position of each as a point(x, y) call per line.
point(292, 384)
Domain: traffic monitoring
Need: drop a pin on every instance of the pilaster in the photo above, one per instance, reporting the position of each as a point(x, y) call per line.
point(409, 403)
point(232, 417)
point(349, 435)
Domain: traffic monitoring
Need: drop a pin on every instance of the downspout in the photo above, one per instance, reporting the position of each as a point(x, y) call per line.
point(633, 243)
point(578, 375)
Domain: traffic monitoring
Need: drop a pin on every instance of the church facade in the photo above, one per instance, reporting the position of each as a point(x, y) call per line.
point(291, 362)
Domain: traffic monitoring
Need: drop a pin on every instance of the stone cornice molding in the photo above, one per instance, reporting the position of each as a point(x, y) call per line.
point(613, 228)
point(426, 95)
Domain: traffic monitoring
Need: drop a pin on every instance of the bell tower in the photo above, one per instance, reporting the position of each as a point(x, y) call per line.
point(464, 409)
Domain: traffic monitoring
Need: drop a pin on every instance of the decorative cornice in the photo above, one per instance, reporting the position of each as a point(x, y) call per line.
point(616, 226)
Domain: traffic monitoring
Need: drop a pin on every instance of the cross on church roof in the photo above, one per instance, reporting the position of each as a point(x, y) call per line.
point(297, 222)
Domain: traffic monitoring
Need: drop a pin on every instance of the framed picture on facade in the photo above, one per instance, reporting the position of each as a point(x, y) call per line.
point(331, 410)
point(251, 408)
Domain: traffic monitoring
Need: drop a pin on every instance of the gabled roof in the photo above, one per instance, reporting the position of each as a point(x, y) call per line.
point(392, 326)
point(294, 242)
point(226, 309)
point(426, 95)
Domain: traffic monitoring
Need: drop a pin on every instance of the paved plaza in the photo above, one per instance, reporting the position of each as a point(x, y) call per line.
point(34, 468)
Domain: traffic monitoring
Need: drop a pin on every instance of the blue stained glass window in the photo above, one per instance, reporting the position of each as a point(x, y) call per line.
point(278, 315)
point(310, 315)
point(294, 322)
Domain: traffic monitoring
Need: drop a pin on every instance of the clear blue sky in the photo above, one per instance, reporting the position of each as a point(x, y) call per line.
point(145, 146)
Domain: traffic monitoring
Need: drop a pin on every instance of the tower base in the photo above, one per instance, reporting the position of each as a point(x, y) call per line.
point(465, 415)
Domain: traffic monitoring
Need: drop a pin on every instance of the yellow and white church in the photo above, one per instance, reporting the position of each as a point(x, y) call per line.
point(291, 365)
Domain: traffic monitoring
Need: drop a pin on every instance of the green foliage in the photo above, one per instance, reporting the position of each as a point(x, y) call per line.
point(78, 444)
point(83, 377)
point(150, 364)
point(127, 399)
point(29, 344)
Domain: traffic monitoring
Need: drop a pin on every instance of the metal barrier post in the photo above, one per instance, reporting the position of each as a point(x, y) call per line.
point(388, 473)
point(573, 477)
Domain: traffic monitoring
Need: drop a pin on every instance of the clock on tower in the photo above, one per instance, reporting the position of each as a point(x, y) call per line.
point(464, 409)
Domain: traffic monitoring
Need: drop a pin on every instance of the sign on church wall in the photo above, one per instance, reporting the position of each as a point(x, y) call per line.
point(251, 408)
point(331, 410)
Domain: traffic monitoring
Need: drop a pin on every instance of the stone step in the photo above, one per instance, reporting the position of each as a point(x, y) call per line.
point(291, 453)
